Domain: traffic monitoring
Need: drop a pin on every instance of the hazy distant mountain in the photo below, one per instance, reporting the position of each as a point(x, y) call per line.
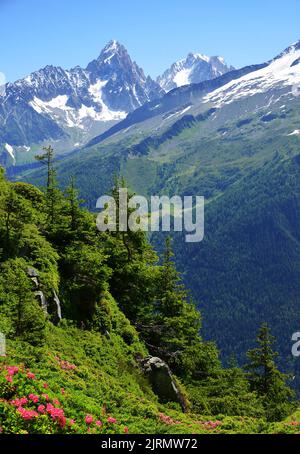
point(194, 68)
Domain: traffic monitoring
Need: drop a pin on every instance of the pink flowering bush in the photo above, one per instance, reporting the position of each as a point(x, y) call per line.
point(167, 420)
point(27, 415)
point(31, 376)
point(89, 419)
point(210, 425)
point(111, 420)
point(25, 408)
point(65, 365)
point(34, 398)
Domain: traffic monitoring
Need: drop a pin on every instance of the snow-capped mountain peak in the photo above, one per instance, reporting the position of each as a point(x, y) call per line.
point(194, 68)
point(192, 57)
point(111, 46)
point(289, 50)
point(112, 49)
point(52, 100)
point(128, 88)
point(113, 57)
point(278, 78)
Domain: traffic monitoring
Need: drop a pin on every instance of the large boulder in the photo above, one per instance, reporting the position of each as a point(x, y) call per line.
point(162, 381)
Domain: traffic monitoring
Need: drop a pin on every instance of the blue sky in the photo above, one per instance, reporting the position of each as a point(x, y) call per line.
point(34, 33)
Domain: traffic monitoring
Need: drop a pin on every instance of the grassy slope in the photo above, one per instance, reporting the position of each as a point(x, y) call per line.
point(106, 382)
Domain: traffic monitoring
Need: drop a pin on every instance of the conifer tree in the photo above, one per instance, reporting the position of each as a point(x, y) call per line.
point(176, 330)
point(52, 192)
point(173, 293)
point(47, 159)
point(133, 281)
point(265, 378)
point(133, 242)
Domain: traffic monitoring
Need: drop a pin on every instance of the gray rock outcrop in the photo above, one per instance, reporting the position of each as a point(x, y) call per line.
point(162, 381)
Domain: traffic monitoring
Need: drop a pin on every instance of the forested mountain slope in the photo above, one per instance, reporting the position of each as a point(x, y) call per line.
point(82, 310)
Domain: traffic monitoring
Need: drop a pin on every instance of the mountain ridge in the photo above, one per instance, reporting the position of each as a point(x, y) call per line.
point(195, 68)
point(206, 93)
point(73, 104)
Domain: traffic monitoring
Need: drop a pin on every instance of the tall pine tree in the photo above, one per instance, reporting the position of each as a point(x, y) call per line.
point(265, 378)
point(52, 192)
point(177, 322)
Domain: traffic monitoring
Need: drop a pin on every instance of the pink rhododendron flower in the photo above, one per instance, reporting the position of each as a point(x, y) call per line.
point(34, 398)
point(45, 385)
point(57, 414)
point(65, 365)
point(166, 419)
point(11, 370)
point(126, 430)
point(27, 414)
point(62, 421)
point(62, 391)
point(49, 408)
point(111, 420)
point(19, 402)
point(89, 419)
point(30, 375)
point(56, 402)
point(98, 423)
point(46, 397)
point(211, 424)
point(41, 409)
point(8, 378)
point(72, 422)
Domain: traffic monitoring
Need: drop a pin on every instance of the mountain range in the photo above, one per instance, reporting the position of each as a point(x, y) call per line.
point(69, 106)
point(235, 140)
point(72, 106)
